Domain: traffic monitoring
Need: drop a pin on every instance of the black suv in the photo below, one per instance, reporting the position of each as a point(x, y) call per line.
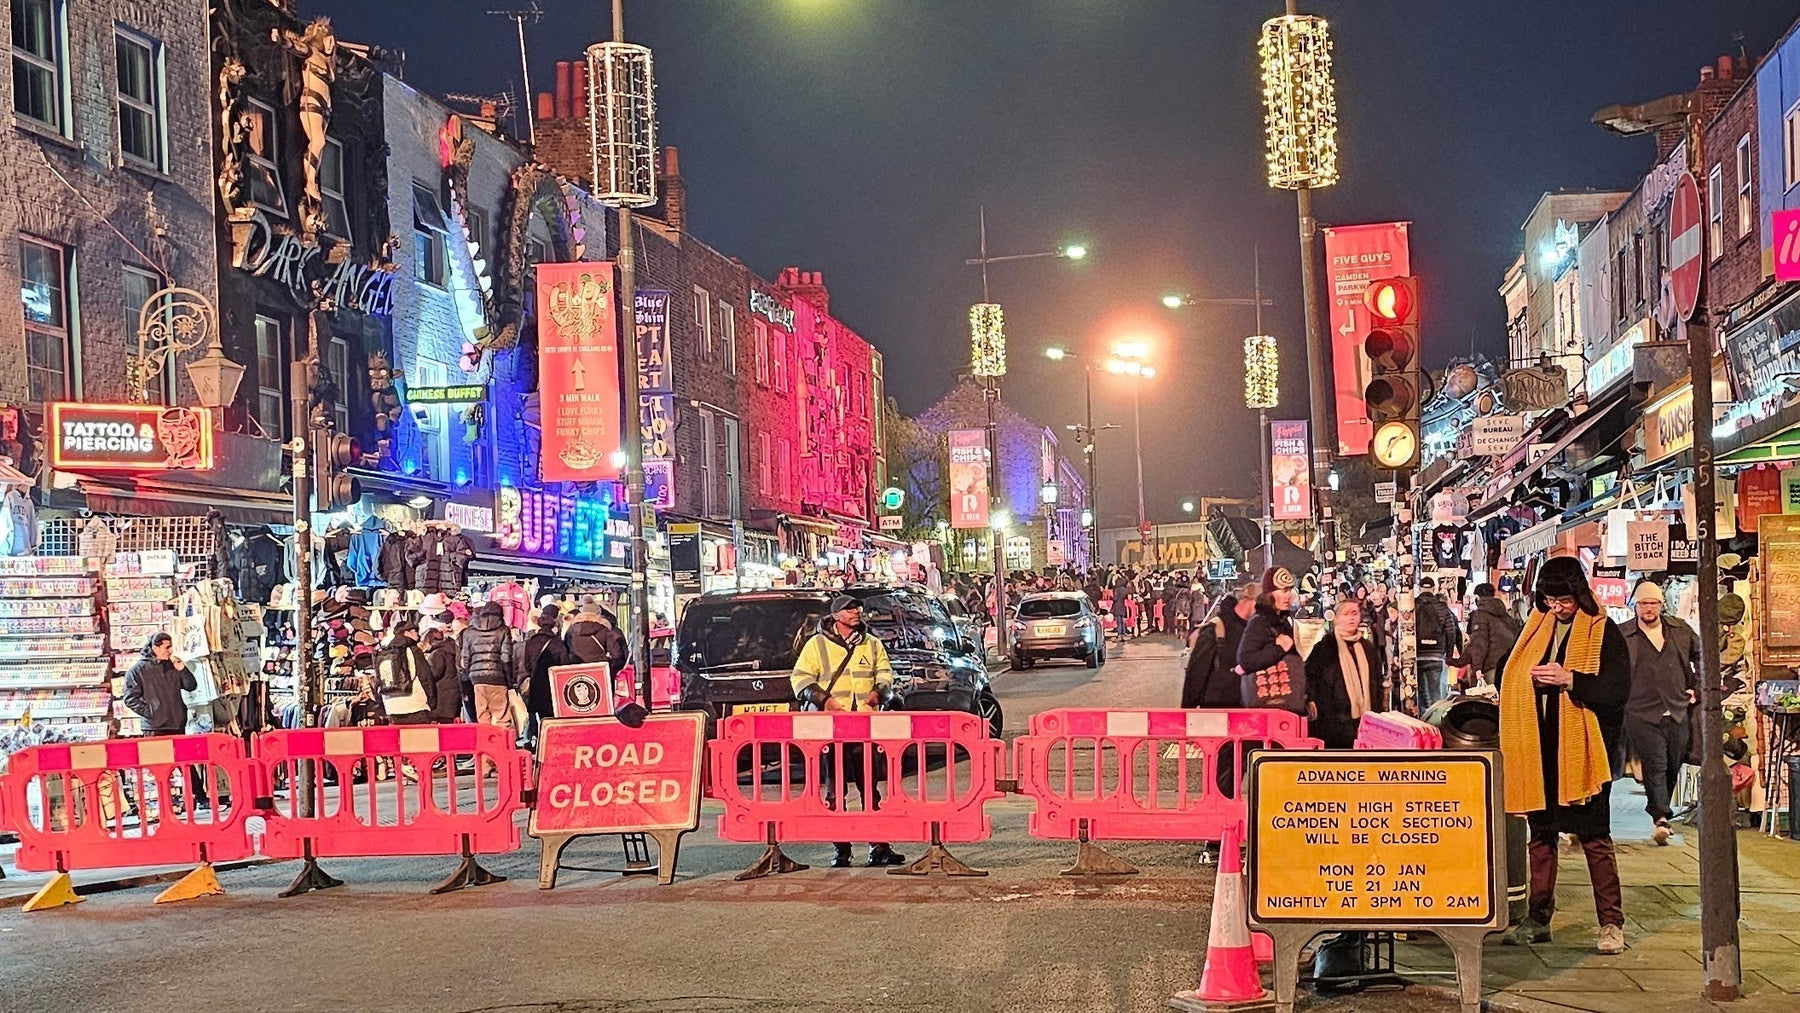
point(736, 650)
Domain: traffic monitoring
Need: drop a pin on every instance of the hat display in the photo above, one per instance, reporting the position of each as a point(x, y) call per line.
point(434, 603)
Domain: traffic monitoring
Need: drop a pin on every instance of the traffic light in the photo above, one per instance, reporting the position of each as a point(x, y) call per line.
point(334, 488)
point(1396, 387)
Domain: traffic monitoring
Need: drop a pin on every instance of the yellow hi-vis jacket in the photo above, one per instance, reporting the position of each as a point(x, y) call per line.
point(867, 671)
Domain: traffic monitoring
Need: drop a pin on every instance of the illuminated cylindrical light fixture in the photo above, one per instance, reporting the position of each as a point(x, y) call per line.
point(987, 339)
point(1262, 372)
point(1299, 102)
point(622, 124)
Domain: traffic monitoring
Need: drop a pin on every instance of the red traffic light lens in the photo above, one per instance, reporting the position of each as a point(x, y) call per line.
point(1389, 349)
point(1388, 300)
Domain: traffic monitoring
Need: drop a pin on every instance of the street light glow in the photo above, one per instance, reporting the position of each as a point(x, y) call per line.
point(1173, 301)
point(1000, 520)
point(1056, 354)
point(1131, 349)
point(1147, 372)
point(1074, 251)
point(1187, 506)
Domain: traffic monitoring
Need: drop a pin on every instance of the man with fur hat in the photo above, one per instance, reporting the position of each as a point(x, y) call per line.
point(1665, 680)
point(1562, 702)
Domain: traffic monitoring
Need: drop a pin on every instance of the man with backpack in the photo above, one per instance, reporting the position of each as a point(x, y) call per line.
point(1438, 637)
point(402, 677)
point(544, 650)
point(1492, 632)
point(593, 636)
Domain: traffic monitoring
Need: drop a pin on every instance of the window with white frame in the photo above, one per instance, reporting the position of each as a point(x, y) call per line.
point(708, 434)
point(728, 336)
point(434, 448)
point(703, 318)
point(478, 229)
point(429, 250)
point(765, 463)
point(139, 286)
point(1790, 146)
point(732, 454)
point(1745, 214)
point(779, 367)
point(1715, 210)
point(38, 61)
point(331, 190)
point(262, 165)
point(759, 350)
point(784, 469)
point(337, 362)
point(271, 360)
point(46, 299)
point(140, 99)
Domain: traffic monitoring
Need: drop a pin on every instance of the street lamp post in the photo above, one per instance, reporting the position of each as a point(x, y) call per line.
point(1128, 360)
point(1086, 433)
point(988, 361)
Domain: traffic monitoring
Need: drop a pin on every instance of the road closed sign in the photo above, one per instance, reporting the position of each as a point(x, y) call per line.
point(1372, 839)
point(600, 776)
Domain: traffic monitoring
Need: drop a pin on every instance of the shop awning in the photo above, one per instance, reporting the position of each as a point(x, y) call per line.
point(154, 499)
point(1581, 425)
point(1540, 537)
point(508, 565)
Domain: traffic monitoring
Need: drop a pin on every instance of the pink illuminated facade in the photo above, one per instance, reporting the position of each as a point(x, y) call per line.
point(837, 401)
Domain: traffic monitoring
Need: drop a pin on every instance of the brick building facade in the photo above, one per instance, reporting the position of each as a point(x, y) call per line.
point(109, 172)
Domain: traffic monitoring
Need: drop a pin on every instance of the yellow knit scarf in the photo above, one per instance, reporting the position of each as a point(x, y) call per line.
point(1582, 765)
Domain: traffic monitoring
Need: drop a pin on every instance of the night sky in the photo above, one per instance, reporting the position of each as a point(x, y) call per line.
point(859, 138)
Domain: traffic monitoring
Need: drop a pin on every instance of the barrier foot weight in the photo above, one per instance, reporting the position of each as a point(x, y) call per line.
point(937, 860)
point(202, 882)
point(311, 877)
point(56, 893)
point(550, 859)
point(1093, 860)
point(773, 862)
point(469, 873)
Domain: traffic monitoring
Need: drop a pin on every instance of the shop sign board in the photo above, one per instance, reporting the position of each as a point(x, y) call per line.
point(892, 522)
point(1761, 354)
point(538, 523)
point(1290, 473)
point(771, 309)
point(1386, 491)
point(1787, 244)
point(1355, 256)
point(968, 478)
point(1056, 552)
point(1617, 361)
point(1535, 388)
point(1778, 542)
point(581, 691)
point(1496, 435)
point(1368, 838)
point(470, 516)
point(129, 437)
point(1669, 426)
point(578, 372)
point(1790, 491)
point(466, 393)
point(659, 485)
point(684, 557)
point(600, 776)
point(655, 371)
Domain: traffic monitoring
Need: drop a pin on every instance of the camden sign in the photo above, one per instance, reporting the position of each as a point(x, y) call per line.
point(282, 256)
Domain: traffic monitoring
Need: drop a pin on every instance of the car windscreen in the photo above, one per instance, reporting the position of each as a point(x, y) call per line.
point(904, 620)
point(1049, 608)
point(747, 635)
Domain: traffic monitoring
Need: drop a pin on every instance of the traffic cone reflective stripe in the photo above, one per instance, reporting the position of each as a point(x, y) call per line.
point(1230, 974)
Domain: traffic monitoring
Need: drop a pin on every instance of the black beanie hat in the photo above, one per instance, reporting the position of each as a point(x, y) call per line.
point(1562, 576)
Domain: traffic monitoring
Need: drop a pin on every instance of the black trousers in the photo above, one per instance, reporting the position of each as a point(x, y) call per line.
point(867, 787)
point(1660, 746)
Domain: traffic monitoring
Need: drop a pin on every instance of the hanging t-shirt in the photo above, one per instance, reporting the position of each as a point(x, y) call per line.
point(1758, 493)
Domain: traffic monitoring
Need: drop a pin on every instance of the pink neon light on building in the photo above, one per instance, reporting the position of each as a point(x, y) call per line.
point(834, 398)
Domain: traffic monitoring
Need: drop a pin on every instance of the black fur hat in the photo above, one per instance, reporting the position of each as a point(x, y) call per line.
point(1560, 577)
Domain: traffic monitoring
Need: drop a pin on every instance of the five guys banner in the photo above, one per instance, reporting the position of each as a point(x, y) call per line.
point(578, 372)
point(1354, 256)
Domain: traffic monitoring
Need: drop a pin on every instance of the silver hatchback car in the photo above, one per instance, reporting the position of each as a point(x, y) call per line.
point(1057, 624)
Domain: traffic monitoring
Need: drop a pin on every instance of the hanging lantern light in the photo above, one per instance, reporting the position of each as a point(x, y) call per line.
point(987, 339)
point(1299, 102)
point(1262, 372)
point(622, 124)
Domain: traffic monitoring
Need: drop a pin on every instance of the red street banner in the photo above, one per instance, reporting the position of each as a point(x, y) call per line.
point(598, 776)
point(1290, 493)
point(968, 478)
point(578, 372)
point(1354, 256)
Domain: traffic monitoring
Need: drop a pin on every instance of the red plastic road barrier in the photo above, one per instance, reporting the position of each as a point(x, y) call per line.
point(439, 813)
point(1143, 775)
point(168, 800)
point(937, 770)
point(1392, 730)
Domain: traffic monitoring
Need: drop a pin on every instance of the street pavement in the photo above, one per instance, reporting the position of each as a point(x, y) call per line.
point(1021, 939)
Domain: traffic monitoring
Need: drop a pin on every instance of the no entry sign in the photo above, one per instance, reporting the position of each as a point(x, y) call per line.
point(1687, 245)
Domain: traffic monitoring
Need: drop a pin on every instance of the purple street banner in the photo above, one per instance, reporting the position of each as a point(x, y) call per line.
point(1290, 493)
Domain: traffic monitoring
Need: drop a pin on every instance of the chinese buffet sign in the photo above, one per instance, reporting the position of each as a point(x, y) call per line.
point(578, 372)
point(97, 437)
point(656, 398)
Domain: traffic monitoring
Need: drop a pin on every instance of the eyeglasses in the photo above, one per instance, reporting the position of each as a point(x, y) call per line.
point(1561, 599)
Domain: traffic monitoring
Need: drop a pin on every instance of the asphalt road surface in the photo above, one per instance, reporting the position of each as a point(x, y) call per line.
point(1021, 939)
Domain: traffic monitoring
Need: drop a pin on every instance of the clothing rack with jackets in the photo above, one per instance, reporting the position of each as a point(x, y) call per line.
point(374, 552)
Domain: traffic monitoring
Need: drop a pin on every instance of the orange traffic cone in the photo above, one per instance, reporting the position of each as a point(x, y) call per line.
point(1230, 977)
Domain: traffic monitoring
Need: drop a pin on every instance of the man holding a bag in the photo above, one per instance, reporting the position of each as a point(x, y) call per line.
point(843, 668)
point(1439, 638)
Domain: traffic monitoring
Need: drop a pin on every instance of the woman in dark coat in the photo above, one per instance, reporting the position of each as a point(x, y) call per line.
point(1340, 695)
point(1269, 639)
point(446, 681)
point(544, 650)
point(1563, 689)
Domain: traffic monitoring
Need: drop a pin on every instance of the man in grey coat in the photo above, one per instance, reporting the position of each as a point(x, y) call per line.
point(1665, 656)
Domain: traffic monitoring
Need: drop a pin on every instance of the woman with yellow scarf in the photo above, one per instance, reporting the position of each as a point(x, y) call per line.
point(1562, 718)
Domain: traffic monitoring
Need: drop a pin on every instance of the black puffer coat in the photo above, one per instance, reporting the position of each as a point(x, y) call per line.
point(489, 657)
point(440, 557)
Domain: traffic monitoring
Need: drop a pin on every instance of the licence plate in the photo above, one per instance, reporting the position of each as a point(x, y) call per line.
point(760, 708)
point(1048, 630)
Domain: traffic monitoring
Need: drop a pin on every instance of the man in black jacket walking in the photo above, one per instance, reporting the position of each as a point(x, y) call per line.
point(1210, 680)
point(1438, 637)
point(1665, 681)
point(1492, 632)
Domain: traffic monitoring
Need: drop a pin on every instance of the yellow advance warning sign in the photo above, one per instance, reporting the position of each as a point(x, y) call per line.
point(1403, 839)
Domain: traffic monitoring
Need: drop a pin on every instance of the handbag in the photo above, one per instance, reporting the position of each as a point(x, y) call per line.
point(1281, 686)
point(807, 704)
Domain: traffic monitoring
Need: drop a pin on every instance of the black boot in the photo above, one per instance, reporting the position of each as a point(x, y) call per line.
point(882, 854)
point(841, 860)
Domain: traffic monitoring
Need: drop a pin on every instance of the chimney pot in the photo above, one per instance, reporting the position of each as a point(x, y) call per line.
point(546, 106)
point(1727, 67)
point(564, 82)
point(578, 103)
point(1706, 73)
point(672, 160)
